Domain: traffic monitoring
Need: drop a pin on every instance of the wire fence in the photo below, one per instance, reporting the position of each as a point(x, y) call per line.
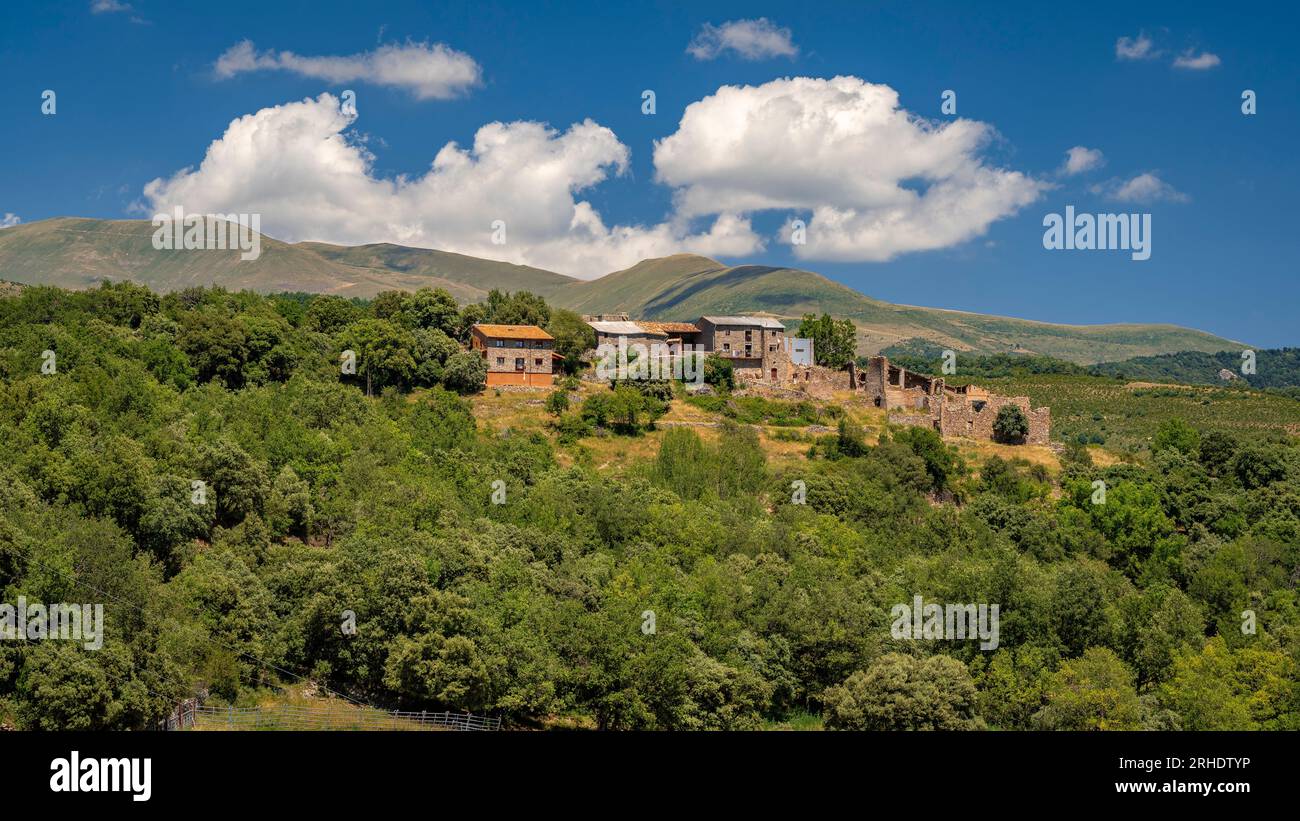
point(190, 715)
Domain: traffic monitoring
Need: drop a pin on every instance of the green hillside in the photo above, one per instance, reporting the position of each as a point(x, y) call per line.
point(374, 495)
point(477, 275)
point(1277, 368)
point(685, 287)
point(76, 253)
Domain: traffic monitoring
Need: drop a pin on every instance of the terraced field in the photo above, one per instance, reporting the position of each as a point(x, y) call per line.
point(1124, 415)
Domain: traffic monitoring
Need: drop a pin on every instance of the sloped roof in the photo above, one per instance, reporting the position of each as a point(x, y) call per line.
point(756, 321)
point(625, 329)
point(671, 327)
point(512, 331)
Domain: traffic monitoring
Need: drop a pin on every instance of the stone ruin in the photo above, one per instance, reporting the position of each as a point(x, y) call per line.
point(966, 410)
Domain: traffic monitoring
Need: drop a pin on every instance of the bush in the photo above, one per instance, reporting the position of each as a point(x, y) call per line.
point(465, 372)
point(624, 410)
point(661, 389)
point(1011, 426)
point(557, 403)
point(941, 461)
point(1175, 434)
point(719, 372)
point(900, 692)
point(851, 441)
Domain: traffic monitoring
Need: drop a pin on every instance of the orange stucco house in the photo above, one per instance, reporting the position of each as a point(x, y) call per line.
point(515, 354)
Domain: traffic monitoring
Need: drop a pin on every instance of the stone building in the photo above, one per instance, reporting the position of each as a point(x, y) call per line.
point(610, 331)
point(745, 340)
point(781, 366)
point(965, 410)
point(757, 347)
point(678, 334)
point(515, 354)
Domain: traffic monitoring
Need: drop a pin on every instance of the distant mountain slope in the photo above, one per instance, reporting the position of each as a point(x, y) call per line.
point(1275, 368)
point(482, 275)
point(77, 253)
point(686, 287)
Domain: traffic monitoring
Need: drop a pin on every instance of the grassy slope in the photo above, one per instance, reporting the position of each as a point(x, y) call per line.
point(1127, 414)
point(1124, 415)
point(686, 287)
point(479, 275)
point(76, 253)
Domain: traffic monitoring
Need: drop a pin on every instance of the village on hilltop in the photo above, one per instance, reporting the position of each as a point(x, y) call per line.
point(764, 359)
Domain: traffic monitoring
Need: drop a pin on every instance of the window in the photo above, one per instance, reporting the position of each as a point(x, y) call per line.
point(499, 343)
point(749, 335)
point(501, 360)
point(537, 362)
point(519, 363)
point(726, 346)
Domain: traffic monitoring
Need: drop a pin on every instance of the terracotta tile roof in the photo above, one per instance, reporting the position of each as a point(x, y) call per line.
point(512, 331)
point(624, 329)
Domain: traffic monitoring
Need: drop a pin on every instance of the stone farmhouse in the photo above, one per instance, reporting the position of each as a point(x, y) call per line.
point(745, 340)
point(965, 410)
point(757, 347)
point(515, 354)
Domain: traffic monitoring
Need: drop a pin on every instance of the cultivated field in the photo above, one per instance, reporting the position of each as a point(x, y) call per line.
point(1125, 415)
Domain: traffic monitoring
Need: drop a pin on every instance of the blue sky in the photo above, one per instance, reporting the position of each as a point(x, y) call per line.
point(139, 98)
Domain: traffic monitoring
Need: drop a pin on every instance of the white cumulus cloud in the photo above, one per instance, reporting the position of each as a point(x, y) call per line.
point(1080, 159)
point(1144, 188)
point(749, 39)
point(9, 220)
point(870, 179)
point(877, 180)
point(429, 71)
point(108, 6)
point(295, 165)
point(1141, 47)
point(1197, 62)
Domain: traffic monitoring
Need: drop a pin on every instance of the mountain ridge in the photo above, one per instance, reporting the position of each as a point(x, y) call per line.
point(76, 252)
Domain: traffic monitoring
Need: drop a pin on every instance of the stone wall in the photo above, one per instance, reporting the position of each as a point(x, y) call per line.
point(975, 420)
point(809, 380)
point(968, 410)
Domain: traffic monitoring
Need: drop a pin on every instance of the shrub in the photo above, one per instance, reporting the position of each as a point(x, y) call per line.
point(557, 403)
point(465, 372)
point(624, 410)
point(1011, 426)
point(719, 372)
point(900, 692)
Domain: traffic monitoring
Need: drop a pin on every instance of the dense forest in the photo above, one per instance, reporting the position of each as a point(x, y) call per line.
point(1272, 368)
point(508, 574)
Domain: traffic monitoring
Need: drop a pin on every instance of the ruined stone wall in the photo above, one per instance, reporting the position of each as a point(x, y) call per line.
point(917, 399)
point(811, 380)
point(873, 379)
point(1040, 426)
point(960, 418)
